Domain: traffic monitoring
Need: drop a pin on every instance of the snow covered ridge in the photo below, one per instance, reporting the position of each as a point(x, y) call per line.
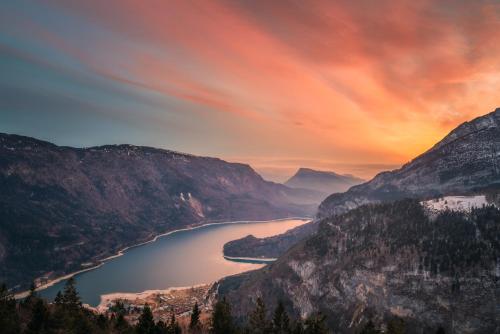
point(457, 203)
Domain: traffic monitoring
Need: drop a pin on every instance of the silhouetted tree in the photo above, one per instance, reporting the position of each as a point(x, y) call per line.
point(40, 317)
point(161, 327)
point(120, 324)
point(146, 324)
point(9, 319)
point(58, 300)
point(257, 321)
point(102, 322)
point(281, 321)
point(222, 320)
point(298, 328)
point(194, 324)
point(32, 295)
point(315, 324)
point(70, 297)
point(173, 326)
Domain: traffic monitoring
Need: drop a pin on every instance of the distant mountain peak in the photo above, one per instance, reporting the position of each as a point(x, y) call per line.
point(306, 170)
point(327, 182)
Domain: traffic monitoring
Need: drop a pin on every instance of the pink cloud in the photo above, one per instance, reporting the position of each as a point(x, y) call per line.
point(359, 82)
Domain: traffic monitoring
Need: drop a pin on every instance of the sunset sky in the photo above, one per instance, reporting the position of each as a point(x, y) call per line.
point(351, 86)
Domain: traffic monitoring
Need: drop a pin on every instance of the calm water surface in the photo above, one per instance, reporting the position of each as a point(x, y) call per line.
point(180, 259)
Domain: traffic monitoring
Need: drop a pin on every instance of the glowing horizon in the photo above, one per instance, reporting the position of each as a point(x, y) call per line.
point(354, 87)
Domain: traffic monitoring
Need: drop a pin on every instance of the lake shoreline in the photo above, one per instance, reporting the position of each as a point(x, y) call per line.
point(243, 259)
point(109, 298)
point(24, 294)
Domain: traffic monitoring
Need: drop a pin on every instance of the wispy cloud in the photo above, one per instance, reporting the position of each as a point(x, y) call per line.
point(355, 83)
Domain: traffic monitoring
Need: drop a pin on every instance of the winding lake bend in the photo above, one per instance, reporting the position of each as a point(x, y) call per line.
point(182, 258)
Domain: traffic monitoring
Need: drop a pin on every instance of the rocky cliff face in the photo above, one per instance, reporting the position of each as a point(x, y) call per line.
point(467, 159)
point(61, 206)
point(323, 181)
point(384, 261)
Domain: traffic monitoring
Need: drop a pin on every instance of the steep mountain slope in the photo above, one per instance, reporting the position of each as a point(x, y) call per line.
point(381, 261)
point(463, 162)
point(467, 159)
point(326, 182)
point(61, 206)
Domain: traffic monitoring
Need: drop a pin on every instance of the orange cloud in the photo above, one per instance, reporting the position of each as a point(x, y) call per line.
point(352, 82)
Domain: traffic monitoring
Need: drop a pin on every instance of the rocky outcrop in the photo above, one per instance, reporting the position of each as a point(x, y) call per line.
point(386, 261)
point(466, 160)
point(323, 181)
point(61, 206)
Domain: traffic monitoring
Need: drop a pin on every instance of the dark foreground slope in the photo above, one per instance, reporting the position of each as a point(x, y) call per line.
point(61, 206)
point(384, 261)
point(466, 160)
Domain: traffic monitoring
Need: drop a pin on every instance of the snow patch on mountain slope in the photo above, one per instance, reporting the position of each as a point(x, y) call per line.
point(457, 203)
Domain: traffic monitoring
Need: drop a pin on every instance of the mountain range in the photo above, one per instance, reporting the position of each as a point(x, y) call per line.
point(380, 254)
point(63, 206)
point(466, 161)
point(375, 253)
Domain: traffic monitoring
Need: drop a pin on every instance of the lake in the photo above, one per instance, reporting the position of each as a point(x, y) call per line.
point(183, 258)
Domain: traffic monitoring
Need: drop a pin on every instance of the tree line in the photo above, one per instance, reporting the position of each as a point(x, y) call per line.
point(66, 314)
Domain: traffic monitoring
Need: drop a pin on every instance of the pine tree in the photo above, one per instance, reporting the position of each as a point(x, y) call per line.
point(80, 323)
point(298, 328)
point(161, 327)
point(102, 321)
point(58, 300)
point(32, 295)
point(173, 326)
point(316, 325)
point(194, 324)
point(70, 297)
point(59, 311)
point(120, 324)
point(257, 321)
point(281, 321)
point(9, 319)
point(222, 320)
point(40, 321)
point(146, 324)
